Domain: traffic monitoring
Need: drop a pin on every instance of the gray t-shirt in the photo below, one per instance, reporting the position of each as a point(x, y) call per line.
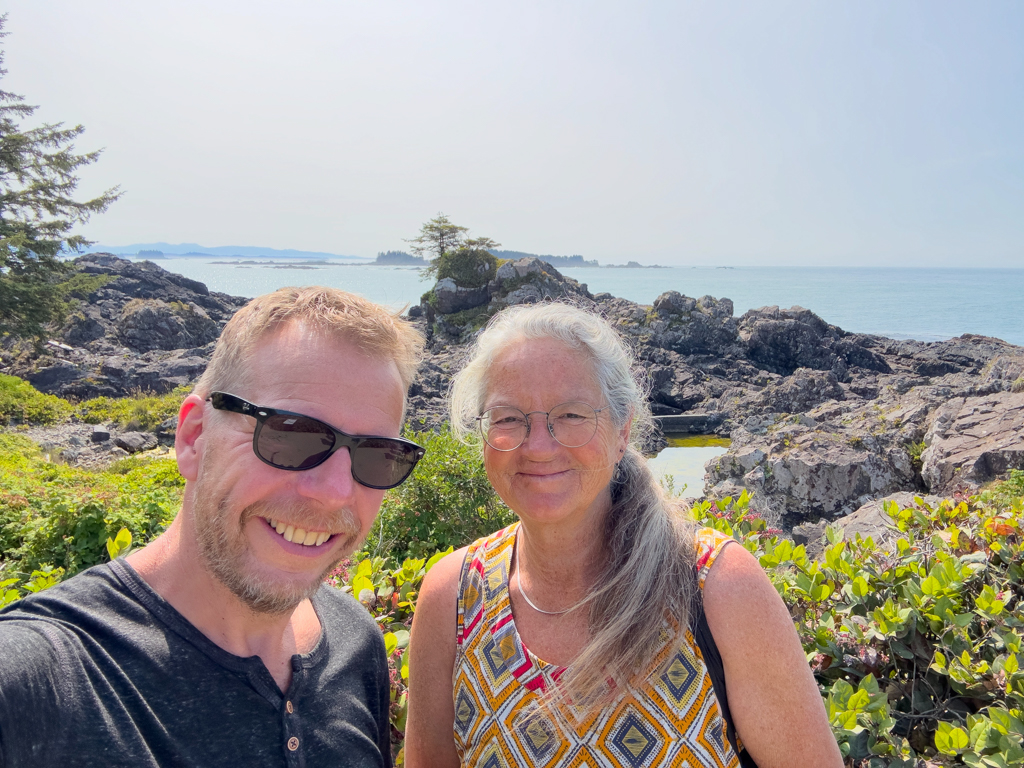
point(101, 671)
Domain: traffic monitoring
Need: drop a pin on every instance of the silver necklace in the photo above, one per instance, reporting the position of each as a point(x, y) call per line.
point(526, 597)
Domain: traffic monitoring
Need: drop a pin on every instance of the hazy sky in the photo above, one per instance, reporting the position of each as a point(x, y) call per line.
point(709, 133)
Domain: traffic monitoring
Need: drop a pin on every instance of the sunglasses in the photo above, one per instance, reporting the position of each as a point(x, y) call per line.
point(295, 442)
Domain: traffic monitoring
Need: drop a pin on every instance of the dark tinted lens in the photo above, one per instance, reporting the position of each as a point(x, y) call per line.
point(383, 463)
point(294, 442)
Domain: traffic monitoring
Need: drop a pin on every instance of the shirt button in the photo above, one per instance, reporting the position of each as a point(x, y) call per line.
point(293, 743)
point(288, 707)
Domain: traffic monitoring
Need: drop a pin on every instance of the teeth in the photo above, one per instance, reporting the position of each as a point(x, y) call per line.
point(299, 535)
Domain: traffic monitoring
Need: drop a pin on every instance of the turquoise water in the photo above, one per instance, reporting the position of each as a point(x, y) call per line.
point(925, 304)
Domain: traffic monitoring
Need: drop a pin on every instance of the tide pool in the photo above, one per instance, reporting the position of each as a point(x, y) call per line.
point(684, 461)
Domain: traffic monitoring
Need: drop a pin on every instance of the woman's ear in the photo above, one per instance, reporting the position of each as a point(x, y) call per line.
point(624, 433)
point(187, 446)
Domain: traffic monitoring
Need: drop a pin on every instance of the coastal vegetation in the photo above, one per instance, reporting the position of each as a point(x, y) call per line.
point(915, 639)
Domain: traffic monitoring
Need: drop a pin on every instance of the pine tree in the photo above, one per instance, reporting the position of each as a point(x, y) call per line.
point(38, 176)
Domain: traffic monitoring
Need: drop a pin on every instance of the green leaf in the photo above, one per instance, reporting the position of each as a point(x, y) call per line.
point(950, 739)
point(119, 544)
point(859, 700)
point(390, 642)
point(402, 638)
point(860, 586)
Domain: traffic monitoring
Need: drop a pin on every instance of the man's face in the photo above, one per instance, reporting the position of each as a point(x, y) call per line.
point(237, 497)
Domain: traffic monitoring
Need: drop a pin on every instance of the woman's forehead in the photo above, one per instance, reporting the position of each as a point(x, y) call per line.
point(541, 366)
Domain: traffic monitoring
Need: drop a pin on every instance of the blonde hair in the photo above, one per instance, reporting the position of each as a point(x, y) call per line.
point(377, 331)
point(649, 572)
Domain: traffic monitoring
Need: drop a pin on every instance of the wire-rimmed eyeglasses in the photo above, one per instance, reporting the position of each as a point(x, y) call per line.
point(505, 427)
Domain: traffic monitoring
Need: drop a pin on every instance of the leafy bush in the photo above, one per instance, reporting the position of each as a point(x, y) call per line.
point(58, 516)
point(390, 595)
point(21, 402)
point(140, 411)
point(468, 267)
point(917, 651)
point(447, 502)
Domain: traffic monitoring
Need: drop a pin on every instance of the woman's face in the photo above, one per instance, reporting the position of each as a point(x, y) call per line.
point(542, 480)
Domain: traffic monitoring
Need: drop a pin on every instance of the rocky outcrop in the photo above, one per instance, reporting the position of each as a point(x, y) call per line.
point(822, 421)
point(140, 328)
point(149, 324)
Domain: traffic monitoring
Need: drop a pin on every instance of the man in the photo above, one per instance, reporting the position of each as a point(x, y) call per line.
point(217, 644)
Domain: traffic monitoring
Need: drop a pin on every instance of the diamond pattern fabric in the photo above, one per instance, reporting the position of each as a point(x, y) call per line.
point(672, 720)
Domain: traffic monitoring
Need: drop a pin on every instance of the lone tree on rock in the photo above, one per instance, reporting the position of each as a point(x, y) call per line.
point(437, 237)
point(38, 176)
point(450, 252)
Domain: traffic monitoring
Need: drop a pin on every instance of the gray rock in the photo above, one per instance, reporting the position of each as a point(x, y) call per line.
point(148, 324)
point(133, 442)
point(450, 298)
point(801, 391)
point(812, 537)
point(100, 435)
point(872, 520)
point(974, 440)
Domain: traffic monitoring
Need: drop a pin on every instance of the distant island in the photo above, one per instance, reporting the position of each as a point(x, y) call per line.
point(634, 265)
point(400, 259)
point(172, 250)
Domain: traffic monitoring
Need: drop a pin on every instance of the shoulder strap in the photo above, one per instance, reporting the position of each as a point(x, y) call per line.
point(713, 661)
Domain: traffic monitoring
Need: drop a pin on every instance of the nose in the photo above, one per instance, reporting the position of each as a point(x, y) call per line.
point(331, 483)
point(540, 438)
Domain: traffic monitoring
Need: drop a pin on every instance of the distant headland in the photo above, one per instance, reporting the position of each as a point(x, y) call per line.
point(251, 255)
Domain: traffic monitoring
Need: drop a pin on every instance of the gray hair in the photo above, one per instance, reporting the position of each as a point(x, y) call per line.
point(649, 571)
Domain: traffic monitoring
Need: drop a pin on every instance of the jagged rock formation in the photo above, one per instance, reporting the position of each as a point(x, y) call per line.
point(822, 421)
point(144, 329)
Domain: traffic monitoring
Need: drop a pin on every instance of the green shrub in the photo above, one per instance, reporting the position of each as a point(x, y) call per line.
point(21, 402)
point(917, 651)
point(447, 502)
point(390, 595)
point(468, 267)
point(59, 516)
point(140, 411)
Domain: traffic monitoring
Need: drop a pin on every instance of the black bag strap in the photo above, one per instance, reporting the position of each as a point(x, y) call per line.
point(713, 661)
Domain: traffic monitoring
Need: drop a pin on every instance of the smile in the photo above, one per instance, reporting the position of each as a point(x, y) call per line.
point(298, 535)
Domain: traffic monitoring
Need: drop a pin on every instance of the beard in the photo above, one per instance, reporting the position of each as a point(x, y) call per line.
point(225, 552)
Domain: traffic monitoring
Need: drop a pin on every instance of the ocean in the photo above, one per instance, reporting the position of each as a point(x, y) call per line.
point(924, 304)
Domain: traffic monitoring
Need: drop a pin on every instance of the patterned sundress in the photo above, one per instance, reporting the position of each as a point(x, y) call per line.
point(672, 720)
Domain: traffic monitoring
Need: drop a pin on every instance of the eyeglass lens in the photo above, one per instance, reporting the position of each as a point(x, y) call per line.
point(294, 442)
point(505, 428)
point(300, 442)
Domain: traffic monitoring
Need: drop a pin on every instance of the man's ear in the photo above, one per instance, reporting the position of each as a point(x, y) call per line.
point(187, 445)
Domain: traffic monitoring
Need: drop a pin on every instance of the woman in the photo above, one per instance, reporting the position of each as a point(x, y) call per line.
point(565, 635)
